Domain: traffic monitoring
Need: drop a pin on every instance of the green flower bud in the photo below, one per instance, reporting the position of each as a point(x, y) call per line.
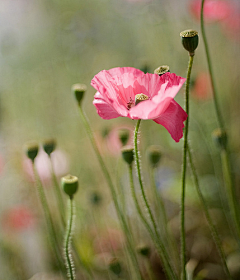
point(79, 90)
point(95, 198)
point(162, 70)
point(115, 266)
point(144, 250)
point(127, 154)
point(189, 40)
point(49, 146)
point(123, 135)
point(70, 184)
point(32, 150)
point(154, 155)
point(220, 138)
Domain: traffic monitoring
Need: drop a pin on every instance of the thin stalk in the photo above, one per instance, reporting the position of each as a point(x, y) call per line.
point(62, 215)
point(211, 225)
point(160, 248)
point(48, 218)
point(225, 156)
point(113, 193)
point(57, 193)
point(67, 244)
point(231, 193)
point(164, 253)
point(184, 170)
point(168, 237)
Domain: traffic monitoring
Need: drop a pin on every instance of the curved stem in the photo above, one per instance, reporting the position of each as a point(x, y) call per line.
point(211, 225)
point(48, 218)
point(160, 247)
point(225, 154)
point(67, 245)
point(164, 254)
point(184, 169)
point(114, 195)
point(215, 97)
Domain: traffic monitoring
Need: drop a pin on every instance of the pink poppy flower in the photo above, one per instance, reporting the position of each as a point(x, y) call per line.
point(117, 89)
point(214, 10)
point(18, 218)
point(202, 89)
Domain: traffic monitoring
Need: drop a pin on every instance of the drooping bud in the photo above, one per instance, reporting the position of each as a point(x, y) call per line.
point(123, 135)
point(220, 138)
point(154, 155)
point(144, 250)
point(31, 150)
point(162, 70)
point(115, 266)
point(189, 40)
point(49, 146)
point(140, 97)
point(79, 90)
point(70, 184)
point(127, 154)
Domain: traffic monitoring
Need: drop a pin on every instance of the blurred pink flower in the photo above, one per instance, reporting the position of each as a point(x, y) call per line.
point(202, 87)
point(117, 88)
point(17, 218)
point(214, 10)
point(60, 165)
point(231, 26)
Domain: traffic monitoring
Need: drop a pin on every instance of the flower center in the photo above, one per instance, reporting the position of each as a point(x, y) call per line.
point(140, 97)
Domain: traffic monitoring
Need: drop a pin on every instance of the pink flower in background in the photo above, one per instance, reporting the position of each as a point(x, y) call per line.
point(42, 162)
point(17, 218)
point(214, 10)
point(202, 87)
point(117, 89)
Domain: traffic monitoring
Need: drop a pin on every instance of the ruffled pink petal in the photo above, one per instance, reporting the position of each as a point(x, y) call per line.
point(172, 119)
point(104, 109)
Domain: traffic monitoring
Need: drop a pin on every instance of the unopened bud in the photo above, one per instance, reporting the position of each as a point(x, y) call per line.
point(154, 155)
point(79, 90)
point(127, 154)
point(115, 266)
point(162, 70)
point(49, 146)
point(123, 135)
point(144, 250)
point(220, 138)
point(70, 184)
point(189, 40)
point(32, 150)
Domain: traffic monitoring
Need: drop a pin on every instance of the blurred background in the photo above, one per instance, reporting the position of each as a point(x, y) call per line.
point(45, 47)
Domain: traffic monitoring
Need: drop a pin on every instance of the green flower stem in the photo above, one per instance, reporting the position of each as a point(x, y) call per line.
point(62, 215)
point(231, 192)
point(67, 245)
point(160, 248)
point(114, 196)
point(57, 193)
point(211, 225)
point(160, 208)
point(226, 163)
point(184, 169)
point(48, 218)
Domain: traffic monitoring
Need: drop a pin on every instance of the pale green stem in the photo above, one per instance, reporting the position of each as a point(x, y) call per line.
point(226, 162)
point(168, 237)
point(114, 196)
point(57, 192)
point(211, 225)
point(161, 249)
point(67, 245)
point(48, 218)
point(184, 169)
